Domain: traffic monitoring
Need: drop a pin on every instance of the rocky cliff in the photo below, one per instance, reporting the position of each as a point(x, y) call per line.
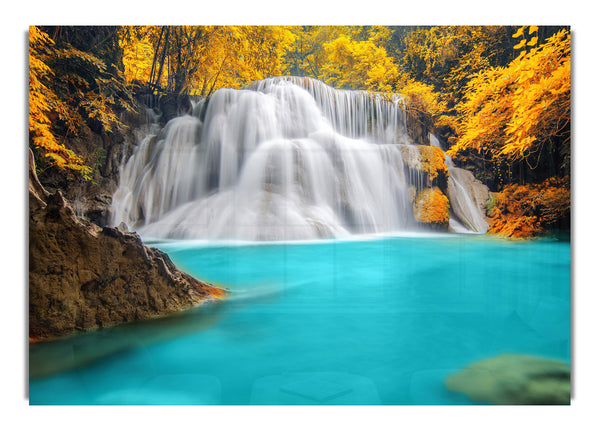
point(428, 179)
point(82, 276)
point(468, 199)
point(441, 192)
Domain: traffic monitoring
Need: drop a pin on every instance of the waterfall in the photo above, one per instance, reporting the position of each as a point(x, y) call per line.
point(285, 158)
point(463, 191)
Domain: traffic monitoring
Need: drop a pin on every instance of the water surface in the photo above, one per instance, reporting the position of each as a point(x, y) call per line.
point(373, 321)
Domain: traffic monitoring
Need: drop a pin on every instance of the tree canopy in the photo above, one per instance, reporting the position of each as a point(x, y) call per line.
point(521, 112)
point(497, 96)
point(71, 91)
point(198, 60)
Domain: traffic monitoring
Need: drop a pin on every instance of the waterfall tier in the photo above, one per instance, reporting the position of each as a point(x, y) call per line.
point(286, 158)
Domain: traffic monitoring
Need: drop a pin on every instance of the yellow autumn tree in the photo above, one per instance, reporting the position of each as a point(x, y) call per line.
point(305, 56)
point(200, 59)
point(521, 112)
point(359, 64)
point(233, 56)
point(446, 56)
point(138, 45)
point(44, 104)
point(542, 100)
point(426, 106)
point(73, 92)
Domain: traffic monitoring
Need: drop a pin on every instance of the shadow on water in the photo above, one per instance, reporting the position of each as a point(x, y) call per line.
point(47, 358)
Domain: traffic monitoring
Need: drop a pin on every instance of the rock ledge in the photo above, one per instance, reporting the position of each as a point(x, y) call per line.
point(83, 277)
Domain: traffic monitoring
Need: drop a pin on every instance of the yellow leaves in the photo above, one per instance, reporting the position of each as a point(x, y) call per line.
point(201, 59)
point(448, 56)
point(138, 52)
point(433, 162)
point(512, 111)
point(379, 34)
point(520, 44)
point(67, 88)
point(519, 33)
point(521, 55)
point(41, 98)
point(523, 211)
point(358, 64)
point(421, 97)
point(431, 206)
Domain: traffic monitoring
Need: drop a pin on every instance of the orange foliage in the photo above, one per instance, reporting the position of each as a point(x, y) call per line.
point(71, 93)
point(359, 64)
point(351, 57)
point(201, 59)
point(43, 102)
point(423, 102)
point(516, 112)
point(431, 206)
point(433, 162)
point(446, 56)
point(524, 211)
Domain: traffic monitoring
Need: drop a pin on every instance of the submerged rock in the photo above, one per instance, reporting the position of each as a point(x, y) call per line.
point(514, 379)
point(82, 276)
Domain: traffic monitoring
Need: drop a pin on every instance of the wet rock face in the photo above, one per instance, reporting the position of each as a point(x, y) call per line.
point(471, 213)
point(428, 168)
point(82, 276)
point(514, 379)
point(103, 152)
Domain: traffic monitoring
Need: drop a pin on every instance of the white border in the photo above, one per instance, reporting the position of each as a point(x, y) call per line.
point(579, 14)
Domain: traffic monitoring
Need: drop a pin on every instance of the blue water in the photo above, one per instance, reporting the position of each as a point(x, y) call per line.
point(379, 321)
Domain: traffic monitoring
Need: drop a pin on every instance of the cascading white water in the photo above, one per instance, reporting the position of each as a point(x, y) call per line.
point(356, 114)
point(286, 158)
point(462, 197)
point(462, 192)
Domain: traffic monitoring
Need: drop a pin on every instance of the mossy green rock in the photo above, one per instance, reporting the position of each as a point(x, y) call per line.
point(514, 379)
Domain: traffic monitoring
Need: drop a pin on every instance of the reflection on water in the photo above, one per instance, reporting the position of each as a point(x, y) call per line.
point(56, 356)
point(48, 358)
point(368, 322)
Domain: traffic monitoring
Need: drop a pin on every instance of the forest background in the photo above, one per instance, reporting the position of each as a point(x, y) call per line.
point(499, 97)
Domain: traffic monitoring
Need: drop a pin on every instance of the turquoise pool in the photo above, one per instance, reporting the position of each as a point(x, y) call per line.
point(364, 321)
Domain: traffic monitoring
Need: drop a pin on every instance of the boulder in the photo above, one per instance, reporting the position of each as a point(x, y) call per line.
point(431, 207)
point(426, 166)
point(427, 176)
point(468, 199)
point(514, 379)
point(82, 276)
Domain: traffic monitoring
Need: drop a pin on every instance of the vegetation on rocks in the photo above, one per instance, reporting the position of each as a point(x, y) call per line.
point(429, 166)
point(523, 211)
point(432, 207)
point(497, 97)
point(74, 91)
